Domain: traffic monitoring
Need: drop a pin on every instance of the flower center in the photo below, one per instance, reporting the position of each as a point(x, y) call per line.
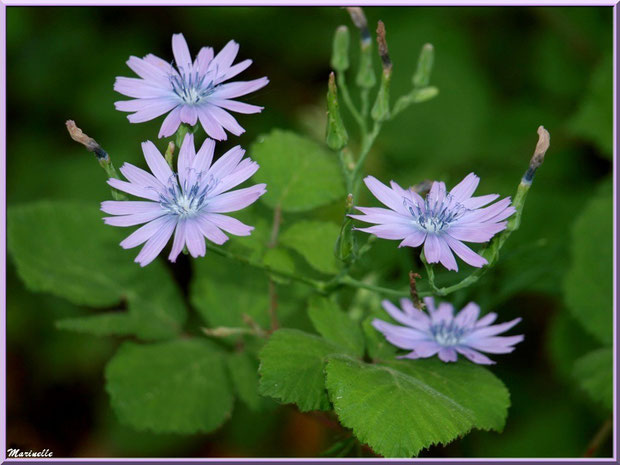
point(447, 334)
point(435, 215)
point(187, 202)
point(191, 87)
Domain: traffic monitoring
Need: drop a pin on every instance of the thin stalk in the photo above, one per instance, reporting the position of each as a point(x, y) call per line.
point(342, 84)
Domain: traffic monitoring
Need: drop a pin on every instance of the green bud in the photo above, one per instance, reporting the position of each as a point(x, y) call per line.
point(345, 245)
point(180, 134)
point(422, 74)
point(169, 155)
point(424, 94)
point(337, 136)
point(340, 50)
point(381, 109)
point(366, 78)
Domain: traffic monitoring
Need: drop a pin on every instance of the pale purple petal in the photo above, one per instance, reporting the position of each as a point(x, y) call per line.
point(210, 125)
point(445, 255)
point(225, 57)
point(187, 152)
point(181, 54)
point(227, 162)
point(157, 163)
point(140, 177)
point(144, 233)
point(465, 189)
point(178, 242)
point(194, 239)
point(385, 195)
point(135, 218)
point(171, 123)
point(465, 253)
point(414, 239)
point(226, 120)
point(238, 107)
point(388, 231)
point(139, 88)
point(475, 356)
point(129, 207)
point(210, 230)
point(239, 88)
point(447, 355)
point(189, 114)
point(133, 189)
point(467, 317)
point(229, 224)
point(476, 232)
point(432, 248)
point(233, 71)
point(236, 200)
point(157, 242)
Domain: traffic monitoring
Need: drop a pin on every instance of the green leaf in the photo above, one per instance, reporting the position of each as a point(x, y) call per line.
point(315, 241)
point(223, 290)
point(300, 174)
point(336, 326)
point(401, 407)
point(291, 369)
point(594, 372)
point(243, 371)
point(176, 386)
point(280, 260)
point(588, 287)
point(103, 324)
point(594, 118)
point(64, 248)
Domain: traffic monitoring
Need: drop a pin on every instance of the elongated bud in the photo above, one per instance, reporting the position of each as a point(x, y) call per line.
point(422, 75)
point(544, 140)
point(381, 109)
point(365, 78)
point(415, 96)
point(169, 155)
point(340, 49)
point(102, 156)
point(337, 136)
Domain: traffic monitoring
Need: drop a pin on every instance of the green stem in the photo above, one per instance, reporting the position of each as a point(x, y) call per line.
point(367, 142)
point(342, 84)
point(351, 282)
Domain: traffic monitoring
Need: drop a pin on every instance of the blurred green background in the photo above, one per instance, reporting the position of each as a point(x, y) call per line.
point(501, 73)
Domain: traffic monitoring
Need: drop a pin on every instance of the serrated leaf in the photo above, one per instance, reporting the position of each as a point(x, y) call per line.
point(300, 174)
point(65, 249)
point(594, 373)
point(315, 241)
point(336, 326)
point(176, 386)
point(588, 286)
point(243, 371)
point(400, 407)
point(291, 369)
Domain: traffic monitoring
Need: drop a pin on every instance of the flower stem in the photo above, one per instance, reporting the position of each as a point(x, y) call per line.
point(342, 84)
point(351, 282)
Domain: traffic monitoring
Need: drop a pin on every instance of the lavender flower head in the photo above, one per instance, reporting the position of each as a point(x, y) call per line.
point(189, 203)
point(190, 92)
point(441, 221)
point(441, 333)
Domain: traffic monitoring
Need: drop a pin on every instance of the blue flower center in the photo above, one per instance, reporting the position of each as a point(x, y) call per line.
point(435, 216)
point(187, 201)
point(191, 87)
point(447, 334)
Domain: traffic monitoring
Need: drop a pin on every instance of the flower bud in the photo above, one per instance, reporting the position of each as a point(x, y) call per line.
point(422, 74)
point(337, 136)
point(381, 109)
point(340, 49)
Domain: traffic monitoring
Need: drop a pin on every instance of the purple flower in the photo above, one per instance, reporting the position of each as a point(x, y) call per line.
point(190, 92)
point(440, 332)
point(189, 203)
point(441, 221)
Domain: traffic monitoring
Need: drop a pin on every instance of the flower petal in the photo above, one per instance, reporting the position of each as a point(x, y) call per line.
point(157, 242)
point(181, 53)
point(465, 253)
point(236, 200)
point(157, 163)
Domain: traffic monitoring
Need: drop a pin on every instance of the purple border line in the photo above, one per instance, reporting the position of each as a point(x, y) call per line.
point(3, 158)
point(615, 243)
point(3, 190)
point(290, 3)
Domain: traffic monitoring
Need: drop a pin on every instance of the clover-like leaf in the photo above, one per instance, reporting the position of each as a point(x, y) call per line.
point(300, 174)
point(174, 386)
point(64, 248)
point(400, 407)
